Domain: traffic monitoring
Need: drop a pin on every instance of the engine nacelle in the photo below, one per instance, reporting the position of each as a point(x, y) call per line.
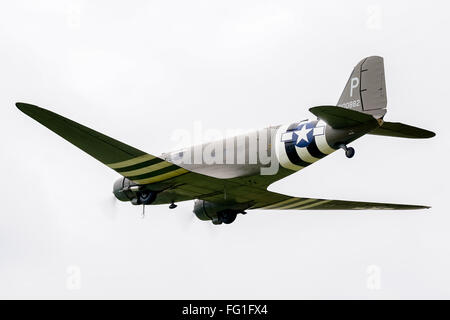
point(126, 190)
point(218, 213)
point(122, 189)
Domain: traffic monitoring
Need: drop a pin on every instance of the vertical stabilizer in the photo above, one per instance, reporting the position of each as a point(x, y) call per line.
point(366, 88)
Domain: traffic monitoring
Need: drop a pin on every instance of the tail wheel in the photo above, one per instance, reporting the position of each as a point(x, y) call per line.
point(350, 152)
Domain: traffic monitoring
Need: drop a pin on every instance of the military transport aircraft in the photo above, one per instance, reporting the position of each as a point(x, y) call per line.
point(231, 176)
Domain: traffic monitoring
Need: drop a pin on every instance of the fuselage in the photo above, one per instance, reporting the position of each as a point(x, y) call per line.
point(273, 152)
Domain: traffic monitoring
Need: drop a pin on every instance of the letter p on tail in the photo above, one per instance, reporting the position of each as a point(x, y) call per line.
point(365, 90)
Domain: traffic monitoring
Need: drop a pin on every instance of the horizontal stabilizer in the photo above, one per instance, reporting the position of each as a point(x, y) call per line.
point(400, 130)
point(339, 118)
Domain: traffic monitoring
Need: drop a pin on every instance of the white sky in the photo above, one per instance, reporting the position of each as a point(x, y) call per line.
point(141, 70)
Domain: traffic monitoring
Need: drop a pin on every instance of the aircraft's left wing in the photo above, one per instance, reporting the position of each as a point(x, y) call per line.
point(128, 161)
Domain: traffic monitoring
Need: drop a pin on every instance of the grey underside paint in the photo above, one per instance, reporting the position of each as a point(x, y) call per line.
point(239, 156)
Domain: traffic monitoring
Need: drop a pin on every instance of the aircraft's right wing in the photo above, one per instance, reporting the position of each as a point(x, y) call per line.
point(276, 201)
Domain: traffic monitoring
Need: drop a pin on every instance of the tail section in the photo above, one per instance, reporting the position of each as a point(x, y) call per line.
point(366, 88)
point(365, 98)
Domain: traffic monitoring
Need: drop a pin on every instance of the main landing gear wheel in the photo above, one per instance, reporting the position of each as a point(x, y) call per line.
point(146, 197)
point(228, 218)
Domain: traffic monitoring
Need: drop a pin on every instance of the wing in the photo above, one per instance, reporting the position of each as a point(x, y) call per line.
point(130, 162)
point(276, 201)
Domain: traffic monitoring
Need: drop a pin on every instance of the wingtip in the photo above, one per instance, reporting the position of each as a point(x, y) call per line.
point(27, 108)
point(413, 207)
point(422, 207)
point(22, 106)
point(427, 134)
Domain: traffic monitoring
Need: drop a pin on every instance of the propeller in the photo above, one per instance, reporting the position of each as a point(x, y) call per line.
point(111, 204)
point(187, 218)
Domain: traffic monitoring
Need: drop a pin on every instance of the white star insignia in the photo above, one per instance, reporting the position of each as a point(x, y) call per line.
point(302, 134)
